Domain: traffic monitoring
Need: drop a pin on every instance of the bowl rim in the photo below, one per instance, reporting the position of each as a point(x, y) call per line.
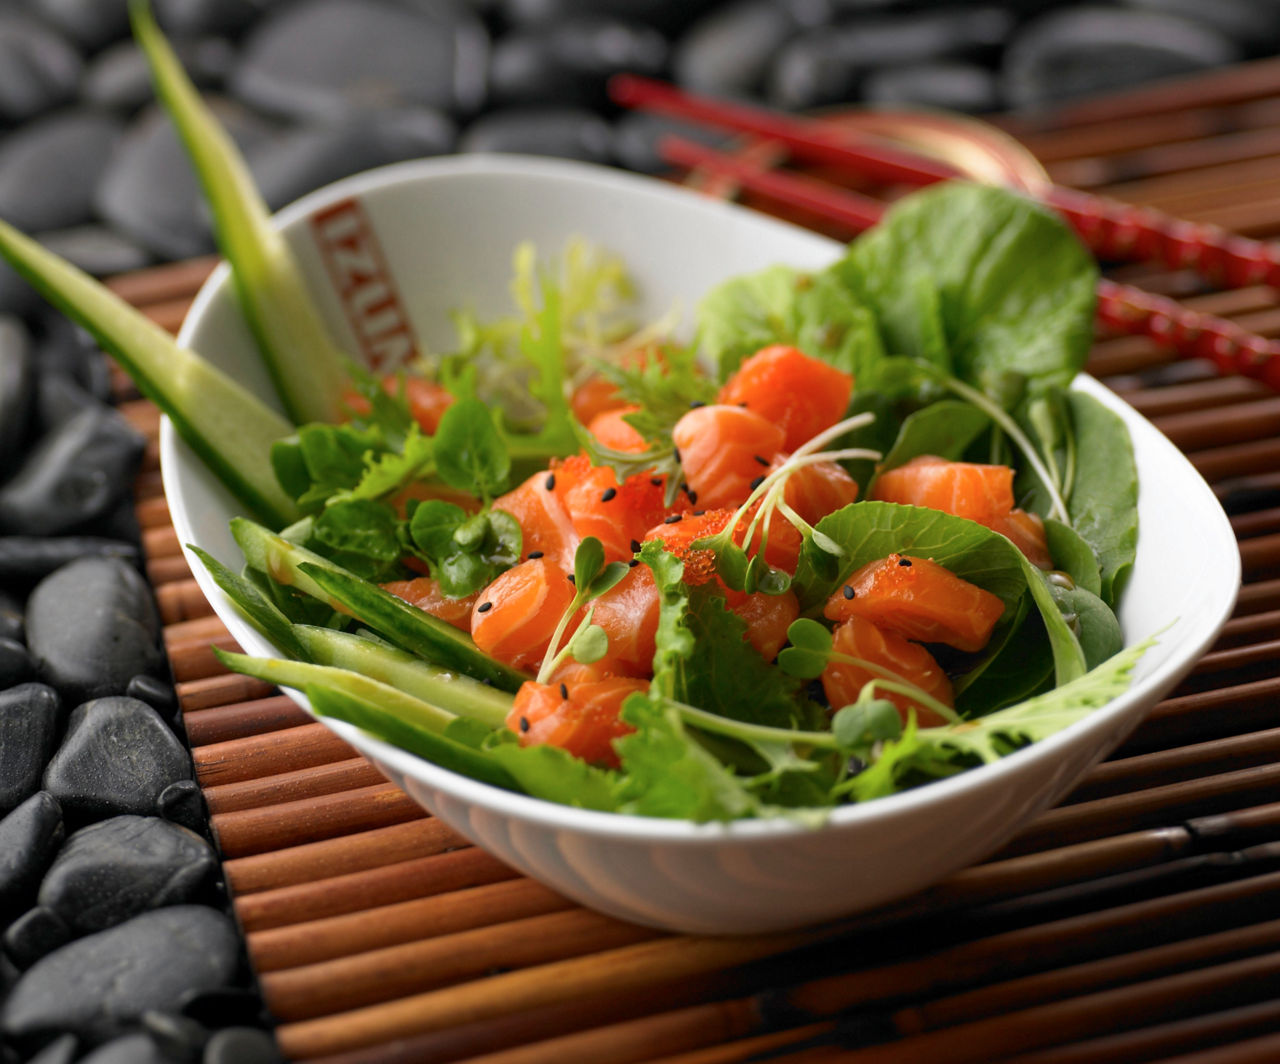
point(659, 829)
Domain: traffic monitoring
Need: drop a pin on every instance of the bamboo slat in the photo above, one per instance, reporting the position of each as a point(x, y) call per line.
point(1136, 921)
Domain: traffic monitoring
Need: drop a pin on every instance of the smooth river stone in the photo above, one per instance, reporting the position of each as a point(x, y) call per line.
point(91, 627)
point(39, 68)
point(954, 86)
point(118, 757)
point(73, 475)
point(119, 77)
point(666, 16)
point(186, 18)
point(320, 58)
point(149, 191)
point(120, 867)
point(29, 717)
point(17, 392)
point(1086, 50)
point(571, 62)
point(317, 153)
point(135, 1048)
point(90, 23)
point(26, 560)
point(567, 132)
point(97, 985)
point(29, 838)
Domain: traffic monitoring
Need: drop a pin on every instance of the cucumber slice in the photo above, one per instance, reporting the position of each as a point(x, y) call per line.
point(379, 661)
point(439, 750)
point(225, 424)
point(394, 619)
point(305, 365)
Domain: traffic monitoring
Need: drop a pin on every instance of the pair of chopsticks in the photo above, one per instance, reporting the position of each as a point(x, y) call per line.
point(1111, 230)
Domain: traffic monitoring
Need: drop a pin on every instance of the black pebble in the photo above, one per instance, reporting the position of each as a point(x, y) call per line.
point(15, 663)
point(182, 803)
point(29, 839)
point(30, 714)
point(89, 776)
point(241, 1045)
point(158, 694)
point(35, 934)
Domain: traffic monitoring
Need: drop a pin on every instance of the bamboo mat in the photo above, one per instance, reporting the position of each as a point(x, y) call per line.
point(1140, 920)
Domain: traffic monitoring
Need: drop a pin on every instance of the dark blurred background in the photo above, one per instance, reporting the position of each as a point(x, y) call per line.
point(316, 89)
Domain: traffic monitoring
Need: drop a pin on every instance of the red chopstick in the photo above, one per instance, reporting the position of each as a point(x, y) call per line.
point(1121, 307)
point(1112, 230)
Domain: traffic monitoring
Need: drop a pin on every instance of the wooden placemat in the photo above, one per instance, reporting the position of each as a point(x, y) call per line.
point(1140, 920)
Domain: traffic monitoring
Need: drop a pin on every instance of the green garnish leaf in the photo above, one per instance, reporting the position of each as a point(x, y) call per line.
point(432, 526)
point(361, 534)
point(470, 453)
point(859, 725)
point(590, 643)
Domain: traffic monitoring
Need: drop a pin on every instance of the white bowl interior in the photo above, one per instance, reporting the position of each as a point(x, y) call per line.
point(447, 228)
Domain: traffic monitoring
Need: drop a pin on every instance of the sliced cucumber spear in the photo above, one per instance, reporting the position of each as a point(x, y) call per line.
point(392, 618)
point(226, 425)
point(306, 366)
point(372, 658)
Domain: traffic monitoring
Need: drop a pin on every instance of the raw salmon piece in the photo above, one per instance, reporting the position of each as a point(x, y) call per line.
point(679, 535)
point(803, 395)
point(545, 525)
point(919, 599)
point(610, 430)
point(516, 615)
point(981, 493)
point(616, 514)
point(580, 717)
point(723, 450)
point(593, 397)
point(817, 489)
point(424, 592)
point(628, 613)
point(1026, 530)
point(768, 617)
point(859, 638)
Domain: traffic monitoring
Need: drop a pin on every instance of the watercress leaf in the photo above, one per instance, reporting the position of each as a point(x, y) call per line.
point(860, 724)
point(432, 527)
point(608, 577)
point(588, 560)
point(461, 573)
point(334, 456)
point(590, 643)
point(470, 534)
point(1015, 288)
point(504, 539)
point(469, 451)
point(359, 526)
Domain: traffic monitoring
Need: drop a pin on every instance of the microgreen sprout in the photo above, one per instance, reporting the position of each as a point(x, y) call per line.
point(744, 573)
point(591, 579)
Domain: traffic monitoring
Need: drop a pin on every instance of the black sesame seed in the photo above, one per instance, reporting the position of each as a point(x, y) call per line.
point(695, 403)
point(756, 483)
point(550, 482)
point(905, 562)
point(743, 405)
point(573, 579)
point(524, 723)
point(849, 592)
point(534, 555)
point(676, 451)
point(634, 562)
point(671, 520)
point(484, 607)
point(635, 546)
point(698, 513)
point(761, 459)
point(564, 692)
point(608, 494)
point(656, 481)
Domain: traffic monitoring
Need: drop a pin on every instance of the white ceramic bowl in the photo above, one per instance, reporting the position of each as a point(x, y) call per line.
point(447, 228)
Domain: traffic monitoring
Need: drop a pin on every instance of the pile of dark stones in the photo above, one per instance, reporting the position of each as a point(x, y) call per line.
point(116, 944)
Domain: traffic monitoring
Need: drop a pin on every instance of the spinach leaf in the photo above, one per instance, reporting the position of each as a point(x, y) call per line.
point(1014, 288)
point(945, 428)
point(1103, 500)
point(1072, 555)
point(470, 453)
point(1095, 626)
